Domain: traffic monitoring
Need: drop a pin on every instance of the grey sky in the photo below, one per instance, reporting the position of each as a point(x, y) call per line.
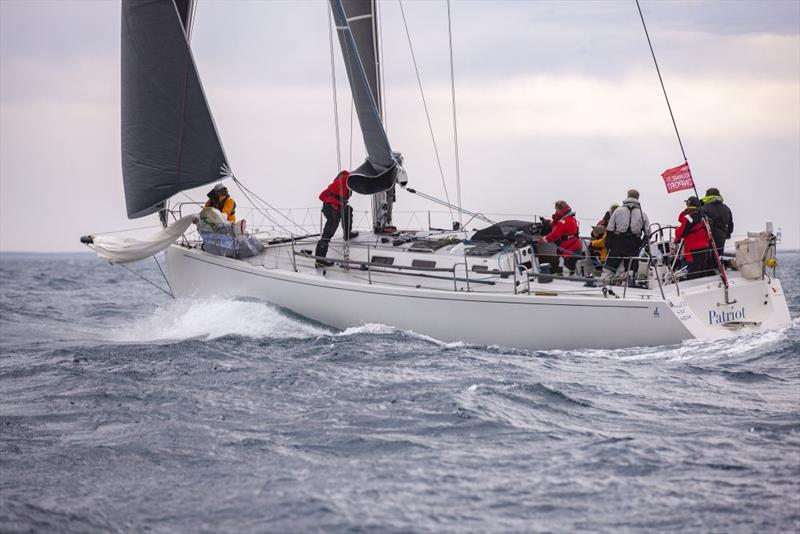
point(556, 100)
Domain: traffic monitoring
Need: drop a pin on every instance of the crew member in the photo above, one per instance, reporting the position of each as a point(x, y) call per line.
point(602, 224)
point(696, 241)
point(719, 217)
point(564, 234)
point(335, 207)
point(598, 246)
point(628, 228)
point(218, 198)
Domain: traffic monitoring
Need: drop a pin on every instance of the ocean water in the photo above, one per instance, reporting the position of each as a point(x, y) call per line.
point(124, 411)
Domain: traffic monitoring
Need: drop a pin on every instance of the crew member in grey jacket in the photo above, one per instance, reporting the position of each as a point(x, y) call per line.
point(628, 229)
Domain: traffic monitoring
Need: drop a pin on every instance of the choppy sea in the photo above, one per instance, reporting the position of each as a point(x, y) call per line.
point(122, 410)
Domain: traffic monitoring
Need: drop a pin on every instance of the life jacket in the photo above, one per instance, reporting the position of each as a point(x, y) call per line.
point(692, 231)
point(337, 193)
point(565, 232)
point(225, 204)
point(599, 245)
point(630, 232)
point(617, 227)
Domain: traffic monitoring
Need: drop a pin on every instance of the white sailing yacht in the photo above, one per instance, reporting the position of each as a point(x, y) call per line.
point(487, 287)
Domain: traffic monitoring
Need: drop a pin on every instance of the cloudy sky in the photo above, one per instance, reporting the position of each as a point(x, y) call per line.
point(555, 100)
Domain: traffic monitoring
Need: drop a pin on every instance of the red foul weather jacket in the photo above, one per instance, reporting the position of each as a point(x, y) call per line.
point(337, 193)
point(692, 232)
point(565, 232)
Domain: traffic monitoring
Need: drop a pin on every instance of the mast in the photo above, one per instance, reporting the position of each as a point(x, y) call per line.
point(357, 28)
point(382, 202)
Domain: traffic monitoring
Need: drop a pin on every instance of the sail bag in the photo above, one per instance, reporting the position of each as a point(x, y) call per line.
point(120, 249)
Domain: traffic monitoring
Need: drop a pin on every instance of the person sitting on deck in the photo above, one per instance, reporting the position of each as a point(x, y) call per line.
point(564, 234)
point(335, 207)
point(218, 198)
point(694, 235)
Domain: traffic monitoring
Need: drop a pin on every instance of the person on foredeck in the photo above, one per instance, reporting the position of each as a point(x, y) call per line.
point(336, 209)
point(694, 235)
point(219, 198)
point(628, 228)
point(719, 216)
point(565, 234)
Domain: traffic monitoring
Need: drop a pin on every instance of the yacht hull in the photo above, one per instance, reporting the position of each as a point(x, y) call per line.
point(537, 321)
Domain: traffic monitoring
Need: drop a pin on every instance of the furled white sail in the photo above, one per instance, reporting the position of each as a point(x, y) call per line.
point(120, 249)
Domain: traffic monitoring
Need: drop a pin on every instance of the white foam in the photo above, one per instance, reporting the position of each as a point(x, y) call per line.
point(214, 318)
point(695, 349)
point(375, 329)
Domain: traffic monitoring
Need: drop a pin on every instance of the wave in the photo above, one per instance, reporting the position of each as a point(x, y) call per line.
point(214, 318)
point(695, 349)
point(378, 329)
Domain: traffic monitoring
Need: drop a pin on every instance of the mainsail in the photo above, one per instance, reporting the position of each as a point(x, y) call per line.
point(362, 17)
point(380, 171)
point(169, 141)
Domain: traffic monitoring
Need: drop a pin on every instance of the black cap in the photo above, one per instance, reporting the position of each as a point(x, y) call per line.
point(712, 191)
point(693, 201)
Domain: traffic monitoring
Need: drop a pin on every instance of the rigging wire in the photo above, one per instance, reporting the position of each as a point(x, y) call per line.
point(192, 14)
point(245, 190)
point(455, 124)
point(660, 79)
point(333, 84)
point(163, 274)
point(425, 105)
point(146, 279)
point(352, 110)
point(441, 202)
point(384, 116)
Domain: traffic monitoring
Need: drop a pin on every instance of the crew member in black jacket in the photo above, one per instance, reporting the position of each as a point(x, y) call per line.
point(719, 216)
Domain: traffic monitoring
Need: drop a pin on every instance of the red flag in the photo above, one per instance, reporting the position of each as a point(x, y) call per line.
point(678, 178)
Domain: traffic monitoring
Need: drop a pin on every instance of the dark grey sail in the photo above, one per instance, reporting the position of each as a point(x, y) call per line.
point(169, 141)
point(379, 172)
point(362, 17)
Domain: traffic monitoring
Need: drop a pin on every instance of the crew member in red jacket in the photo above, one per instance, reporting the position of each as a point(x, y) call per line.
point(565, 235)
point(335, 208)
point(696, 241)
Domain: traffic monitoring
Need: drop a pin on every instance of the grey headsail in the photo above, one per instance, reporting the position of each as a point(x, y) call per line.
point(169, 141)
point(380, 171)
point(361, 17)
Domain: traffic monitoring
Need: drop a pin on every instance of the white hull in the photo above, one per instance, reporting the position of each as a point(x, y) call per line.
point(552, 316)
